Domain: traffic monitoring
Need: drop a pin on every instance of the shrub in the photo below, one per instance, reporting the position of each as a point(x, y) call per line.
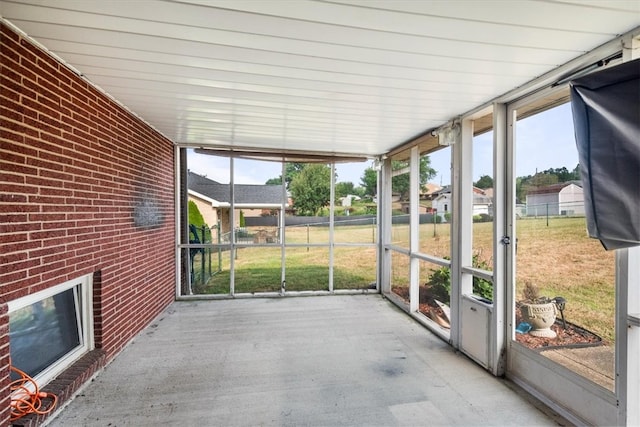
point(197, 220)
point(242, 233)
point(439, 282)
point(195, 217)
point(530, 292)
point(482, 287)
point(483, 217)
point(435, 218)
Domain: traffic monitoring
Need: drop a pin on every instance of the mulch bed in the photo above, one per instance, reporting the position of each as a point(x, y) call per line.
point(427, 305)
point(572, 337)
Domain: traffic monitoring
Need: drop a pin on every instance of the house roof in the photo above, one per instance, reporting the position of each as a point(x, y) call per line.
point(478, 199)
point(430, 189)
point(476, 191)
point(444, 190)
point(553, 188)
point(244, 194)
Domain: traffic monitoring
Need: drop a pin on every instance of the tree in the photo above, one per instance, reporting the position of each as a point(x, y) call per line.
point(200, 231)
point(520, 190)
point(311, 189)
point(401, 184)
point(369, 181)
point(274, 181)
point(484, 182)
point(291, 170)
point(543, 179)
point(359, 191)
point(195, 216)
point(343, 189)
point(562, 173)
point(576, 173)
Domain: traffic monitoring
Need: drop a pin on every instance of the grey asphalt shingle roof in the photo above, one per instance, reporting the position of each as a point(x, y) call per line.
point(478, 199)
point(244, 193)
point(553, 188)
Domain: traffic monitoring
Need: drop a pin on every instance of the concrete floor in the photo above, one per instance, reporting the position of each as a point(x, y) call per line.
point(320, 361)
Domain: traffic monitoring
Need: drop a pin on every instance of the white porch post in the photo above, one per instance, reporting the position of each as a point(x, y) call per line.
point(628, 334)
point(283, 237)
point(232, 236)
point(462, 226)
point(414, 229)
point(332, 196)
point(510, 227)
point(180, 159)
point(384, 215)
point(502, 240)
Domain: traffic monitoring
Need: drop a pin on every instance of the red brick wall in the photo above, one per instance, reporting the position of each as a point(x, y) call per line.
point(85, 187)
point(4, 364)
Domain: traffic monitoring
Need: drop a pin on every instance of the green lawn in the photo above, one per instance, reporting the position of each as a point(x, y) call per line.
point(562, 261)
point(258, 269)
point(559, 258)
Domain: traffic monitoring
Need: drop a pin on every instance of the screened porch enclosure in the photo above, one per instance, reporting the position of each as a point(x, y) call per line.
point(251, 239)
point(461, 273)
point(471, 214)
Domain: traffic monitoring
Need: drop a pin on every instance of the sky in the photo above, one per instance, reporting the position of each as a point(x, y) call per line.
point(252, 172)
point(543, 141)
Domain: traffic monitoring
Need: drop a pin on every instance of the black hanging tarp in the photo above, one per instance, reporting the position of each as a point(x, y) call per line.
point(606, 116)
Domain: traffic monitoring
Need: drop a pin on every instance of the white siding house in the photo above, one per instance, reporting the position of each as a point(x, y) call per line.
point(482, 203)
point(442, 204)
point(565, 198)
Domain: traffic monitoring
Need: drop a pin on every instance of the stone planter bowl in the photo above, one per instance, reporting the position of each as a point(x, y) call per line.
point(540, 317)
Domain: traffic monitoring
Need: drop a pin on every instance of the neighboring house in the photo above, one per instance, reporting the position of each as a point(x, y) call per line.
point(488, 192)
point(482, 204)
point(349, 199)
point(441, 202)
point(429, 190)
point(565, 198)
point(214, 200)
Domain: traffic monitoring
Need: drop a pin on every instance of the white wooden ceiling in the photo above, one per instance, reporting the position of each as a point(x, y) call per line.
point(345, 76)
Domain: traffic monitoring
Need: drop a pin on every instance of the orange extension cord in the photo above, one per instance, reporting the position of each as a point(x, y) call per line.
point(24, 401)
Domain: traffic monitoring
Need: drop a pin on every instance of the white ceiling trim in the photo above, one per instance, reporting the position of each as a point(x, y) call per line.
point(354, 77)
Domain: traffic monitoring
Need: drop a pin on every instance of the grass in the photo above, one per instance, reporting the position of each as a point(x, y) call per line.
point(258, 269)
point(562, 261)
point(559, 258)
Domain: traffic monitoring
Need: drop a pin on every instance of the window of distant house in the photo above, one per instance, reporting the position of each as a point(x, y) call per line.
point(51, 329)
point(446, 208)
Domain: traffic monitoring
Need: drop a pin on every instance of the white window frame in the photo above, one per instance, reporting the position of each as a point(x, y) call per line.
point(83, 294)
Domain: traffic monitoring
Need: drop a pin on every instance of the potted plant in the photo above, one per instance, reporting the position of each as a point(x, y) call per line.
point(539, 312)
